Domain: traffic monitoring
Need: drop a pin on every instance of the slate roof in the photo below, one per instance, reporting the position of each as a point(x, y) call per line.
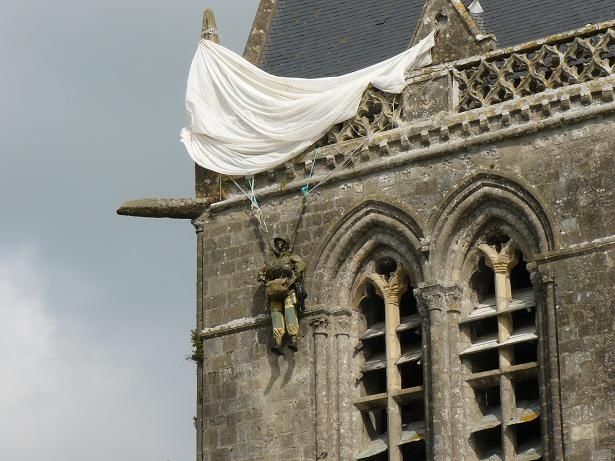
point(519, 21)
point(319, 38)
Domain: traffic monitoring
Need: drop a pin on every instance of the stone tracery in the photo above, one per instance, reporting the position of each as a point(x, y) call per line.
point(500, 78)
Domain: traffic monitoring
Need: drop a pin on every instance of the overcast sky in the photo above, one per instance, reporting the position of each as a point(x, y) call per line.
point(96, 309)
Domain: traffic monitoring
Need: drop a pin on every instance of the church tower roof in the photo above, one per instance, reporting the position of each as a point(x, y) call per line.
point(295, 38)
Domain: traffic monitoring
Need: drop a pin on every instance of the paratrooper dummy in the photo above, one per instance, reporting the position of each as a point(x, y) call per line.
point(283, 279)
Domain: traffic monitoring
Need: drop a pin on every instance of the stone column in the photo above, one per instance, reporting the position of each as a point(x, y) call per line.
point(321, 384)
point(548, 358)
point(453, 297)
point(199, 226)
point(344, 388)
point(392, 289)
point(432, 299)
point(502, 262)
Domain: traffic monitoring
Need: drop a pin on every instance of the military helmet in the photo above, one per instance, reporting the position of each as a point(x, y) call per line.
point(280, 239)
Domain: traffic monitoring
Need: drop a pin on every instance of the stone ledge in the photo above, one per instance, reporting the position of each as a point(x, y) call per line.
point(235, 326)
point(249, 323)
point(448, 134)
point(573, 251)
point(175, 208)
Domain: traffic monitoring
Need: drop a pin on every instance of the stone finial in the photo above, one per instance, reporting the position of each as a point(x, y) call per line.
point(476, 11)
point(209, 30)
point(475, 8)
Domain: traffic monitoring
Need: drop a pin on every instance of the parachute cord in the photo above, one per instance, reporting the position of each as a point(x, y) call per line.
point(306, 189)
point(255, 209)
point(349, 157)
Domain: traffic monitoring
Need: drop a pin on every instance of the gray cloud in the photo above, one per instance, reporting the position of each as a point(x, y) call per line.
point(100, 306)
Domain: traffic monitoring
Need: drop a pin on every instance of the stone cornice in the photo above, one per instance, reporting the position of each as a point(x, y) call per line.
point(448, 134)
point(573, 251)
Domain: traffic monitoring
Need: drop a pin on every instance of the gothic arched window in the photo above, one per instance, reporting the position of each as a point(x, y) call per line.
point(390, 355)
point(500, 356)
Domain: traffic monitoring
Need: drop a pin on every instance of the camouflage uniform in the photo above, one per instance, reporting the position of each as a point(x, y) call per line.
point(280, 278)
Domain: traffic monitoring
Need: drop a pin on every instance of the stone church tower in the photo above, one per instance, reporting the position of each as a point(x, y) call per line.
point(460, 245)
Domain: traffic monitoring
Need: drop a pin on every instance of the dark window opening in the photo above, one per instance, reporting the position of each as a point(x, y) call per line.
point(375, 422)
point(528, 434)
point(487, 442)
point(483, 281)
point(519, 275)
point(407, 304)
point(525, 352)
point(413, 412)
point(527, 390)
point(484, 328)
point(386, 266)
point(488, 399)
point(484, 361)
point(372, 306)
point(523, 319)
point(375, 382)
point(374, 348)
point(410, 340)
point(497, 239)
point(415, 451)
point(378, 457)
point(411, 374)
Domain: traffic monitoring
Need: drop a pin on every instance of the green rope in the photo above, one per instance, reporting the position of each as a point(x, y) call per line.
point(305, 190)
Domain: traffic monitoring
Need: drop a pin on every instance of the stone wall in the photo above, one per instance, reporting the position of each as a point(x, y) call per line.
point(585, 313)
point(257, 405)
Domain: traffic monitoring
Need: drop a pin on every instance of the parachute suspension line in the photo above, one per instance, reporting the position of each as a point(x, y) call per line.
point(307, 191)
point(348, 159)
point(255, 209)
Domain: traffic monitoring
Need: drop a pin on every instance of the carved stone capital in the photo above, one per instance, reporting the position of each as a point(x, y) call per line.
point(444, 297)
point(501, 261)
point(542, 276)
point(342, 325)
point(199, 225)
point(320, 325)
point(393, 287)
